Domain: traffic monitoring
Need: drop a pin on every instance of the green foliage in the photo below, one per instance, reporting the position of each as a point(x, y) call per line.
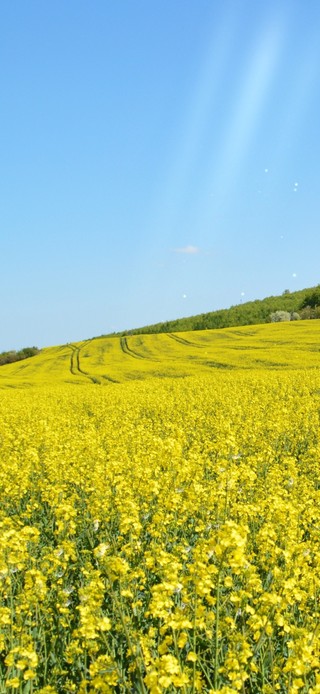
point(312, 299)
point(308, 312)
point(249, 313)
point(280, 316)
point(12, 355)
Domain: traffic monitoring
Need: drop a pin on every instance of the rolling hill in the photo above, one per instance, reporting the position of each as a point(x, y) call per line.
point(117, 359)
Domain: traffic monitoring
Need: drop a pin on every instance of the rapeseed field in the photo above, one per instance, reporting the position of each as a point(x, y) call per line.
point(108, 360)
point(162, 533)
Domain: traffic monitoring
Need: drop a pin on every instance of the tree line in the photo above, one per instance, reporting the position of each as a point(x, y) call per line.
point(302, 304)
point(13, 355)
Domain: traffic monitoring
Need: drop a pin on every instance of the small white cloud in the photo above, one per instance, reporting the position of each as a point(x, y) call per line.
point(242, 293)
point(296, 185)
point(294, 274)
point(190, 250)
point(266, 170)
point(184, 296)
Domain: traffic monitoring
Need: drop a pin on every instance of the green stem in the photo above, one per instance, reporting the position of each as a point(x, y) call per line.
point(216, 653)
point(177, 653)
point(194, 646)
point(121, 675)
point(127, 635)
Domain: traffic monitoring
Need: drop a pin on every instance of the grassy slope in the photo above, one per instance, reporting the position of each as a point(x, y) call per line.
point(108, 360)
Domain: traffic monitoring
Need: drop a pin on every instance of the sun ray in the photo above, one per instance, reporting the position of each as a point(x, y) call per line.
point(197, 120)
point(252, 96)
point(307, 74)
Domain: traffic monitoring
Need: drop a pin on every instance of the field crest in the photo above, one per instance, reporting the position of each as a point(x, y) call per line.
point(108, 360)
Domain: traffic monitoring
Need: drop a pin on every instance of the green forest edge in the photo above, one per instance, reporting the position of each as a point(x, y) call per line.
point(303, 304)
point(12, 356)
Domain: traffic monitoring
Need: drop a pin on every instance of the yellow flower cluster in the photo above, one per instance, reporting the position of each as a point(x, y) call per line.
point(162, 535)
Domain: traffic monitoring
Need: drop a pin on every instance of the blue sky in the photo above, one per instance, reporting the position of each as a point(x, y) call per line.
point(157, 159)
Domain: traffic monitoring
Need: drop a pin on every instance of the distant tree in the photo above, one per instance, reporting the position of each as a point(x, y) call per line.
point(12, 356)
point(295, 316)
point(286, 291)
point(308, 312)
point(8, 357)
point(311, 299)
point(280, 316)
point(28, 352)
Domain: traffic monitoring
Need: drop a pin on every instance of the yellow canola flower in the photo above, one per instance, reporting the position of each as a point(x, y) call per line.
point(192, 657)
point(169, 525)
point(13, 682)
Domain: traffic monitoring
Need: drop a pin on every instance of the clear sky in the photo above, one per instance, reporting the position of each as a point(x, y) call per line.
point(158, 158)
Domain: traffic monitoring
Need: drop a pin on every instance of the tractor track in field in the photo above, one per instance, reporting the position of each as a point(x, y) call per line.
point(72, 364)
point(130, 352)
point(109, 379)
point(183, 341)
point(76, 369)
